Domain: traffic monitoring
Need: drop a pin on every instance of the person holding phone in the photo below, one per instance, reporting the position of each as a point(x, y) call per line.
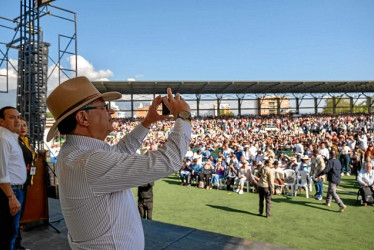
point(95, 179)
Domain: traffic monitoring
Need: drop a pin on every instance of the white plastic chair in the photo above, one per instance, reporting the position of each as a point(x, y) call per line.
point(279, 175)
point(310, 183)
point(249, 186)
point(290, 179)
point(302, 181)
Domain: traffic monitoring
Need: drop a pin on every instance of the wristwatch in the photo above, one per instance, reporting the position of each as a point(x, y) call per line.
point(185, 115)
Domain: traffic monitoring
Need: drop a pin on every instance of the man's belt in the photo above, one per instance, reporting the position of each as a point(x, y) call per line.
point(17, 186)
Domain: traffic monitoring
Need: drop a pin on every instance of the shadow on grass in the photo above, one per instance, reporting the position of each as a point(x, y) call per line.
point(306, 203)
point(349, 183)
point(229, 209)
point(172, 179)
point(319, 205)
point(173, 182)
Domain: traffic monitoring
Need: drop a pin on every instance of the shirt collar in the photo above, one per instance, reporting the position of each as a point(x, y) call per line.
point(87, 142)
point(10, 133)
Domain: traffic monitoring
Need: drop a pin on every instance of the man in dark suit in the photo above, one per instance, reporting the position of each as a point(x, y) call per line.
point(333, 171)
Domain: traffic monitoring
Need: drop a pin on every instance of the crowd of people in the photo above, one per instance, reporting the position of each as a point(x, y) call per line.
point(231, 152)
point(226, 152)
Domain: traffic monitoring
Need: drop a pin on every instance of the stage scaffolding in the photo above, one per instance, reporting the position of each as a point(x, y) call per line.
point(33, 57)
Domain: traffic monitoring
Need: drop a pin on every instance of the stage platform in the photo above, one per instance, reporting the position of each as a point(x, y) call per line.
point(157, 236)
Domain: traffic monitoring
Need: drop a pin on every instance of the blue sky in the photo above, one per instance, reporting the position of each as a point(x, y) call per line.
point(210, 40)
point(220, 39)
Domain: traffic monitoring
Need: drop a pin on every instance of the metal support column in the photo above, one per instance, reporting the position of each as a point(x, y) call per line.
point(351, 105)
point(297, 105)
point(315, 105)
point(369, 104)
point(240, 102)
point(278, 105)
point(132, 105)
point(219, 100)
point(198, 97)
point(334, 105)
point(218, 107)
point(259, 106)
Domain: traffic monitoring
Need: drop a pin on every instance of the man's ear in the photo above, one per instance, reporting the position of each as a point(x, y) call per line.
point(82, 118)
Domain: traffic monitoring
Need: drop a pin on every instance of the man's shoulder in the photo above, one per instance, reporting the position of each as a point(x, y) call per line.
point(268, 169)
point(334, 161)
point(5, 131)
point(7, 136)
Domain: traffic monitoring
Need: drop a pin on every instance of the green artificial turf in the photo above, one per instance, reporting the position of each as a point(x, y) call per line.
point(297, 221)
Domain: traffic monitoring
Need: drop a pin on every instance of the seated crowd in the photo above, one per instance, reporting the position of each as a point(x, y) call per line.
point(226, 152)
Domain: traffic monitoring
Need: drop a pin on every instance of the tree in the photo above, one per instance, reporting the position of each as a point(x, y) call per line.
point(226, 113)
point(343, 106)
point(49, 115)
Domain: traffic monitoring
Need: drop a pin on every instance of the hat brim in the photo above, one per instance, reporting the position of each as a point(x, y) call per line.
point(108, 96)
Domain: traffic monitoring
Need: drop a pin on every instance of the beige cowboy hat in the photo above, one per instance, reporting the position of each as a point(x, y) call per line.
point(305, 157)
point(72, 95)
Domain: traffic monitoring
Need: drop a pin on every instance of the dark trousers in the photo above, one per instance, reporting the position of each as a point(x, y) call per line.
point(362, 192)
point(145, 208)
point(19, 236)
point(9, 224)
point(229, 182)
point(345, 160)
point(6, 222)
point(207, 178)
point(264, 193)
point(195, 176)
point(356, 168)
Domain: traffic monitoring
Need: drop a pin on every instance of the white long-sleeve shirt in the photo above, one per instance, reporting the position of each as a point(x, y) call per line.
point(363, 142)
point(12, 164)
point(95, 182)
point(365, 177)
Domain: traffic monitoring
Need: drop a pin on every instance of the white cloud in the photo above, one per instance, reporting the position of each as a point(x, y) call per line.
point(85, 68)
point(12, 76)
point(134, 79)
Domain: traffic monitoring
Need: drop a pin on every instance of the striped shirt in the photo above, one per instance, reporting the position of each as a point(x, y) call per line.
point(95, 182)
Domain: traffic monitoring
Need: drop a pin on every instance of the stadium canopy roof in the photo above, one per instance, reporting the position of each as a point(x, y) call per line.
point(235, 87)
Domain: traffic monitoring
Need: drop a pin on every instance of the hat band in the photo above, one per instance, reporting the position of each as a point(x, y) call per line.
point(77, 104)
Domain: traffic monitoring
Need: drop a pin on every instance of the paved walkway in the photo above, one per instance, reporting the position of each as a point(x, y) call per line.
point(157, 236)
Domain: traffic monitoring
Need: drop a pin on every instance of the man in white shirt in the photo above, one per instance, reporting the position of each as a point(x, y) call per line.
point(345, 159)
point(351, 142)
point(299, 148)
point(95, 179)
point(12, 176)
point(363, 141)
point(366, 180)
point(324, 152)
point(253, 151)
point(189, 154)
